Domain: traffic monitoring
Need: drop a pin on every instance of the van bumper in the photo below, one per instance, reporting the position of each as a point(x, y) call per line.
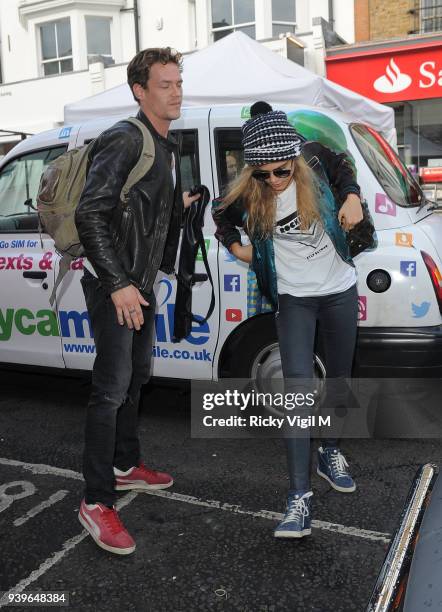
point(414, 352)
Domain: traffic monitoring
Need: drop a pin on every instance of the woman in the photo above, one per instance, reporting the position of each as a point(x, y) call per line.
point(284, 199)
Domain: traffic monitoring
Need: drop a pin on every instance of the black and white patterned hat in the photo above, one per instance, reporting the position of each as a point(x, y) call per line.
point(268, 136)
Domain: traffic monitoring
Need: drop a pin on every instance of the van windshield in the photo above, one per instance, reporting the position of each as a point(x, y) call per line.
point(392, 174)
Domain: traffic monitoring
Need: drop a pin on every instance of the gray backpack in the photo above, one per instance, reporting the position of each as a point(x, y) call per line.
point(61, 186)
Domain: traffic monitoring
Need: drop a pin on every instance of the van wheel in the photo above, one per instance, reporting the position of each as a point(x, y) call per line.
point(255, 355)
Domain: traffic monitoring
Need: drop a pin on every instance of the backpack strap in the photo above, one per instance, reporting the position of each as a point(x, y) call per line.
point(145, 161)
point(63, 269)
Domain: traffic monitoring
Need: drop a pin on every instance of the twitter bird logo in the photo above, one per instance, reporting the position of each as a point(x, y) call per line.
point(420, 310)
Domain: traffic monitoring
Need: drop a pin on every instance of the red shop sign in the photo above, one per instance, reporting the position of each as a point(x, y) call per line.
point(431, 175)
point(391, 75)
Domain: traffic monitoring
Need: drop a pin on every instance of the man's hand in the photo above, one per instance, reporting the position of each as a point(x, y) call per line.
point(350, 213)
point(188, 200)
point(127, 304)
point(244, 253)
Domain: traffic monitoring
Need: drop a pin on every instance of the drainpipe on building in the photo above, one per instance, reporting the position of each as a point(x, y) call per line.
point(137, 26)
point(331, 16)
point(134, 10)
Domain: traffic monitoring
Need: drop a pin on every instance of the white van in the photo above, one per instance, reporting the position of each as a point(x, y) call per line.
point(399, 283)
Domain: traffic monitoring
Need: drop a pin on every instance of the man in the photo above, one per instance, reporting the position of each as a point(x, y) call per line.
point(231, 167)
point(125, 248)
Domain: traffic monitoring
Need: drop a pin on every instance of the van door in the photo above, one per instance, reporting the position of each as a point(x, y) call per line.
point(29, 330)
point(239, 297)
point(193, 356)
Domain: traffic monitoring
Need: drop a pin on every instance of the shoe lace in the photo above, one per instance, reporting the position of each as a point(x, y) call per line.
point(112, 520)
point(338, 464)
point(297, 509)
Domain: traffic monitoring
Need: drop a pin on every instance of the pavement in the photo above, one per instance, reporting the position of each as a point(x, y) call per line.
point(206, 543)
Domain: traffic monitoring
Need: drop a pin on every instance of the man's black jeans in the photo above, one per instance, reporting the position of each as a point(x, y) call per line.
point(122, 365)
point(296, 323)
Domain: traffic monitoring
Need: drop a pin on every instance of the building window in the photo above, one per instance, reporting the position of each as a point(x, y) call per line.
point(231, 15)
point(283, 17)
point(431, 15)
point(98, 36)
point(56, 47)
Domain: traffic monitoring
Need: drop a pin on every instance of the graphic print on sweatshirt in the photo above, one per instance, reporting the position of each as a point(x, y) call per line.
point(314, 239)
point(306, 261)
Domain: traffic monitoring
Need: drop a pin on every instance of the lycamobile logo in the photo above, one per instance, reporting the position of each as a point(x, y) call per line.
point(44, 322)
point(73, 324)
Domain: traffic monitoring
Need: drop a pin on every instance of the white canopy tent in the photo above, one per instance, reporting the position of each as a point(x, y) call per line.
point(239, 70)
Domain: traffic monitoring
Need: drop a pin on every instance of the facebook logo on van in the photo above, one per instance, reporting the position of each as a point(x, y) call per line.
point(408, 268)
point(231, 282)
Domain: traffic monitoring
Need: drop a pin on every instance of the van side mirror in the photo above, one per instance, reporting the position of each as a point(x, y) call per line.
point(29, 203)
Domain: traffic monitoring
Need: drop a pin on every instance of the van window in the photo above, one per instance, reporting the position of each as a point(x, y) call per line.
point(229, 155)
point(19, 181)
point(392, 174)
point(189, 158)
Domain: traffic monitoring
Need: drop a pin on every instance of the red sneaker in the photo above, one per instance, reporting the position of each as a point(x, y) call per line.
point(142, 478)
point(106, 528)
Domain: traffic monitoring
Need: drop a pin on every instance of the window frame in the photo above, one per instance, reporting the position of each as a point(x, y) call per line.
point(30, 213)
point(436, 14)
point(233, 26)
point(105, 56)
point(278, 22)
point(217, 136)
point(178, 135)
point(57, 59)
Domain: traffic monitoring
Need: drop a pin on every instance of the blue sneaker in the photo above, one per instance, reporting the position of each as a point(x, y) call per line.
point(297, 520)
point(332, 466)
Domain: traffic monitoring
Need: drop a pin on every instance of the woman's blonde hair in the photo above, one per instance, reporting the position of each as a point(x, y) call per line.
point(260, 199)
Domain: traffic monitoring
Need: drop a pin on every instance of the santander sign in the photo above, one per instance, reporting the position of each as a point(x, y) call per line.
point(393, 80)
point(391, 75)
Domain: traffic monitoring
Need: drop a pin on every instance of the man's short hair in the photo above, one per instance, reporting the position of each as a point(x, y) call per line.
point(138, 70)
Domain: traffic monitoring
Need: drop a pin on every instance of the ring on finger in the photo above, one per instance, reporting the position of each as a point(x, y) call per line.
point(132, 310)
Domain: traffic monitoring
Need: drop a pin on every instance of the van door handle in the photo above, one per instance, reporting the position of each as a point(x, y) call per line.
point(199, 277)
point(35, 274)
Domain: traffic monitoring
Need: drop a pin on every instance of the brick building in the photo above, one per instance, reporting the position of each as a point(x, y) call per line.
point(379, 20)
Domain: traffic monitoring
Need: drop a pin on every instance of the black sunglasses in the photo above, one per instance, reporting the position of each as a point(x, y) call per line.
point(263, 175)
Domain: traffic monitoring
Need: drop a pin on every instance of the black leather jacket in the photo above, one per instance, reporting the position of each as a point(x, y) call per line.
point(129, 244)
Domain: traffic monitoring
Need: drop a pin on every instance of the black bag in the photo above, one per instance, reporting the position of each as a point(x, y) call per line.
point(363, 235)
point(192, 239)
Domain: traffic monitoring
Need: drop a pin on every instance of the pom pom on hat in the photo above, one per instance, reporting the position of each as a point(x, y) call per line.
point(259, 108)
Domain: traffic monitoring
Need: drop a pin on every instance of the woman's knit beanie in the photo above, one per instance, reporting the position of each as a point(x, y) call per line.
point(268, 136)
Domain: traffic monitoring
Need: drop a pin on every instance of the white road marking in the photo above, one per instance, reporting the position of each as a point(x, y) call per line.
point(53, 499)
point(6, 499)
point(188, 499)
point(39, 468)
point(57, 556)
point(376, 536)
